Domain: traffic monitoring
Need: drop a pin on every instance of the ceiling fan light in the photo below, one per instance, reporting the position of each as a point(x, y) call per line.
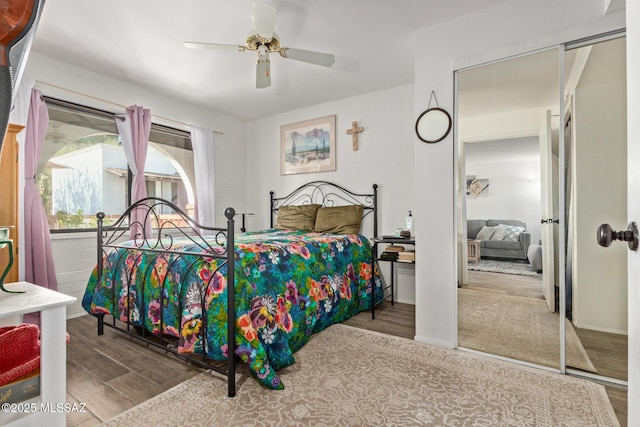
point(263, 73)
point(264, 19)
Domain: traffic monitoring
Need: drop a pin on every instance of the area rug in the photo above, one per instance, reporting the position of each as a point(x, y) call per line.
point(516, 327)
point(506, 267)
point(351, 377)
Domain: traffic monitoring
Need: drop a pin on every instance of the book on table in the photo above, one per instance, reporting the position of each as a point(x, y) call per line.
point(407, 256)
point(389, 256)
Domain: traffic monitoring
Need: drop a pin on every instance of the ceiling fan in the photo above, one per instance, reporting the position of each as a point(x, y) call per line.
point(265, 41)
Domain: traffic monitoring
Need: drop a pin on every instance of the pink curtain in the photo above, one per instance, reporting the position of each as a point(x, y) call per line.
point(134, 132)
point(39, 267)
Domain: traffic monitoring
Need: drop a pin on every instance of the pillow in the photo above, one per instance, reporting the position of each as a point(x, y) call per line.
point(499, 232)
point(509, 233)
point(301, 217)
point(512, 233)
point(339, 219)
point(485, 233)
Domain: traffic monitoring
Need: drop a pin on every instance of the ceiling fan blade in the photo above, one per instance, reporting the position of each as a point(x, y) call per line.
point(263, 73)
point(264, 19)
point(318, 58)
point(217, 46)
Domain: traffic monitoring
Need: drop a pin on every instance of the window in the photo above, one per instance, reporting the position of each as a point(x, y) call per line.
point(83, 169)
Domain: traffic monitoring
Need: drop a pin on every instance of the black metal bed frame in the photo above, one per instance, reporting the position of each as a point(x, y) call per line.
point(109, 237)
point(161, 245)
point(327, 194)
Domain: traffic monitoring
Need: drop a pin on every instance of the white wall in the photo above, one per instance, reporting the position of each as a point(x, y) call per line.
point(75, 255)
point(514, 182)
point(510, 28)
point(384, 157)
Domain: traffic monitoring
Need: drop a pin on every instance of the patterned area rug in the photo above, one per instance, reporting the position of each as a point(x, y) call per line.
point(516, 327)
point(348, 376)
point(506, 267)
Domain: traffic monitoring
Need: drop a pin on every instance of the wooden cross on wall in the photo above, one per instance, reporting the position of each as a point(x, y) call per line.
point(354, 131)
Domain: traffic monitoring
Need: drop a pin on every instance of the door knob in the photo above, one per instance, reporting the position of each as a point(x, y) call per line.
point(550, 221)
point(606, 235)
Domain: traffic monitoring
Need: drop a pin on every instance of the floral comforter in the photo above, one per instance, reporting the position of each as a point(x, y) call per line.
point(289, 285)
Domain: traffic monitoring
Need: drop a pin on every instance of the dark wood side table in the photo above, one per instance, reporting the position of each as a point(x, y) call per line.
point(390, 240)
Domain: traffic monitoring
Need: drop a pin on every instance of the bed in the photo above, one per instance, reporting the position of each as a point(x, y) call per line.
point(164, 278)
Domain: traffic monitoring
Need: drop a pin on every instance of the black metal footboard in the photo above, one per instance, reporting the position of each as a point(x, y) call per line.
point(151, 227)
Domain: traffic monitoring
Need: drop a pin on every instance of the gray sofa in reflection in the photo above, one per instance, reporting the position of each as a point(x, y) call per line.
point(499, 238)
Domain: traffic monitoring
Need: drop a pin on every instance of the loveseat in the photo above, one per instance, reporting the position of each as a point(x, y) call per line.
point(500, 238)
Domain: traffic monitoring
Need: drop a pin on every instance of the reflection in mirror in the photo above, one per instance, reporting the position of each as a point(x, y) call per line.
point(508, 147)
point(596, 193)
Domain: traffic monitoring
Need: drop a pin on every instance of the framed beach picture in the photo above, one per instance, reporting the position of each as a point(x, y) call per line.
point(308, 146)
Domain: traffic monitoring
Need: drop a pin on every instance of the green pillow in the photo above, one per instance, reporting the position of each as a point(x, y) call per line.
point(301, 217)
point(339, 219)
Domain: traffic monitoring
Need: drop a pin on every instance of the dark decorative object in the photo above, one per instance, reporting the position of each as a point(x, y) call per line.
point(5, 241)
point(16, 20)
point(434, 124)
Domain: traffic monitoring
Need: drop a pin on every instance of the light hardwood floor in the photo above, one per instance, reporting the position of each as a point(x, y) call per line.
point(114, 373)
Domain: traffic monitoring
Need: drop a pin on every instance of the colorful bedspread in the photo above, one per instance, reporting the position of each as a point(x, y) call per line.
point(289, 285)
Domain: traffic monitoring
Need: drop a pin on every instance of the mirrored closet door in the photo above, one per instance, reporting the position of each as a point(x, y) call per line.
point(508, 170)
point(536, 179)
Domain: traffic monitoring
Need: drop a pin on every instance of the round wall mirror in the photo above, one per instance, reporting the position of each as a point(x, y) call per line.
point(433, 125)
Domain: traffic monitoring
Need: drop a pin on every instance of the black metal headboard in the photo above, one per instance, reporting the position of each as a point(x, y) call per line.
point(328, 194)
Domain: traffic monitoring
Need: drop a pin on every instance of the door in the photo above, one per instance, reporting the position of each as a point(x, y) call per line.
point(596, 192)
point(546, 204)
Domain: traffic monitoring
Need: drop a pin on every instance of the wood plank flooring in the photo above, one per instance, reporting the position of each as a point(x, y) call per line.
point(113, 373)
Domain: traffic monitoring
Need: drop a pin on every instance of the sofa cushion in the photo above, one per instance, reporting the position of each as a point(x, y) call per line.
point(485, 233)
point(502, 244)
point(513, 233)
point(494, 222)
point(474, 226)
point(499, 232)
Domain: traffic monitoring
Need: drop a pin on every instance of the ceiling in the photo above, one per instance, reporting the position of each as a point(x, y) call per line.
point(141, 42)
point(526, 82)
